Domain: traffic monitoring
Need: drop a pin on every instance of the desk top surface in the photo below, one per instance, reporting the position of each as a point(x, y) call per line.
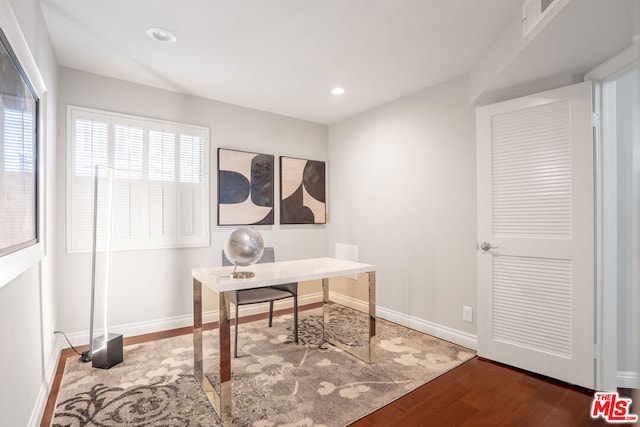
point(280, 272)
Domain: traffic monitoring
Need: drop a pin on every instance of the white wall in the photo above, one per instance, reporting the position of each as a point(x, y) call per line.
point(403, 188)
point(29, 354)
point(152, 289)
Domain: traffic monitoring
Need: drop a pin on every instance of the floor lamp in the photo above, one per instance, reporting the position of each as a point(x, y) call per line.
point(105, 351)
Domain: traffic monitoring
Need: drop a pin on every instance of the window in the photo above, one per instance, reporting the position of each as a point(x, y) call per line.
point(18, 154)
point(161, 187)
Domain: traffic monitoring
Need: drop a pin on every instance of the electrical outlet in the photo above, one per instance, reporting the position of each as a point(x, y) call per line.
point(467, 313)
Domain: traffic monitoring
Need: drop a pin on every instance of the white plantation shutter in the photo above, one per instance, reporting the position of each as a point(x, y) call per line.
point(162, 174)
point(130, 217)
point(152, 207)
point(90, 134)
point(162, 212)
point(131, 203)
point(128, 151)
point(191, 156)
point(191, 198)
point(162, 158)
point(91, 144)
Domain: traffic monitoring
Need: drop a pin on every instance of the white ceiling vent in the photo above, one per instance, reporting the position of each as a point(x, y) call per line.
point(532, 13)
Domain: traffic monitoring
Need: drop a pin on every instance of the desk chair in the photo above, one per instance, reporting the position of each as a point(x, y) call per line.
point(267, 294)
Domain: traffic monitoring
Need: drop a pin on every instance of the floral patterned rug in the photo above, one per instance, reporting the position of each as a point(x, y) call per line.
point(275, 382)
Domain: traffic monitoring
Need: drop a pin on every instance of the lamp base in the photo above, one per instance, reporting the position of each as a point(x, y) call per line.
point(107, 351)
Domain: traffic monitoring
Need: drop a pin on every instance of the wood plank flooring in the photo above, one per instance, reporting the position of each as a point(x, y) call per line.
point(485, 393)
point(477, 393)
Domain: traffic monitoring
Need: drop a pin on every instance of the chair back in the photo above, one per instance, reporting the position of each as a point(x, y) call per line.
point(267, 256)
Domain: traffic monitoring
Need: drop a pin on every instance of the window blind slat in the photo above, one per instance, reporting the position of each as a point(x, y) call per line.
point(162, 162)
point(18, 149)
point(91, 146)
point(191, 158)
point(17, 187)
point(128, 151)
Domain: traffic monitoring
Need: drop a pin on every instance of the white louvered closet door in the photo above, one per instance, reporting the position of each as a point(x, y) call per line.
point(536, 233)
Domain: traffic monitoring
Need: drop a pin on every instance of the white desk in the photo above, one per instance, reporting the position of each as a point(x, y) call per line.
point(266, 274)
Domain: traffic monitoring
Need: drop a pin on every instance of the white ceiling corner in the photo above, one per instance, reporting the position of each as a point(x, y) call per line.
point(281, 56)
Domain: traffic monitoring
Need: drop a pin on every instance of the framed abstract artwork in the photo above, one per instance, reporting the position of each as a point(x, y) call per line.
point(302, 191)
point(245, 188)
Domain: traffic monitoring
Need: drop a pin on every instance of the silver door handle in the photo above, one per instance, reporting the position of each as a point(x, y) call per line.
point(485, 246)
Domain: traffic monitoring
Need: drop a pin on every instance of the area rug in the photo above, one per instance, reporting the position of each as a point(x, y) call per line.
point(275, 382)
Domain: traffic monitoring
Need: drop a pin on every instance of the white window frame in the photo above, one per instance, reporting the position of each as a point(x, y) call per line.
point(184, 221)
point(16, 263)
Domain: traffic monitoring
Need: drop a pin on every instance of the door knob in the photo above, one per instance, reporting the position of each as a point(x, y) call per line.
point(485, 246)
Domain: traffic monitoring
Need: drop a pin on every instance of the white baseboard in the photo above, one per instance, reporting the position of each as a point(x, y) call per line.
point(140, 328)
point(458, 337)
point(628, 379)
point(158, 325)
point(45, 388)
point(354, 303)
point(443, 332)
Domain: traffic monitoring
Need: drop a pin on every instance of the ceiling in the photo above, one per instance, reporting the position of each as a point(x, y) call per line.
point(281, 56)
point(582, 35)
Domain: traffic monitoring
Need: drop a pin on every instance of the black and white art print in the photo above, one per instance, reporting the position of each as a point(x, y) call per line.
point(302, 191)
point(245, 188)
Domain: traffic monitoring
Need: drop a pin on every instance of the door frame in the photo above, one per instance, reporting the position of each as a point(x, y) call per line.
point(605, 143)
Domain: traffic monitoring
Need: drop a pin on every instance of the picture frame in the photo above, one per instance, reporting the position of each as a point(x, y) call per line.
point(245, 188)
point(302, 191)
point(19, 128)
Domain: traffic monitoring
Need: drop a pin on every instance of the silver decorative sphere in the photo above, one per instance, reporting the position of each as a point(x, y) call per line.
point(244, 246)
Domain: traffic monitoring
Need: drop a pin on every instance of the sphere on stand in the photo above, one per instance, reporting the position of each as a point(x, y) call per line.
point(244, 246)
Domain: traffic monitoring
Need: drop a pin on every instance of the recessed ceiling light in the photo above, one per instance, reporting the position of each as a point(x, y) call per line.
point(337, 91)
point(161, 35)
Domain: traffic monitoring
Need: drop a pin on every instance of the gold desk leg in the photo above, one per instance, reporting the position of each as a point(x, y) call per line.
point(197, 330)
point(325, 307)
point(221, 401)
point(372, 313)
point(368, 354)
point(224, 328)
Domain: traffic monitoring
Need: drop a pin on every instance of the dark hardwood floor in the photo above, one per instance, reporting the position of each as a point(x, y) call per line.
point(485, 393)
point(477, 393)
